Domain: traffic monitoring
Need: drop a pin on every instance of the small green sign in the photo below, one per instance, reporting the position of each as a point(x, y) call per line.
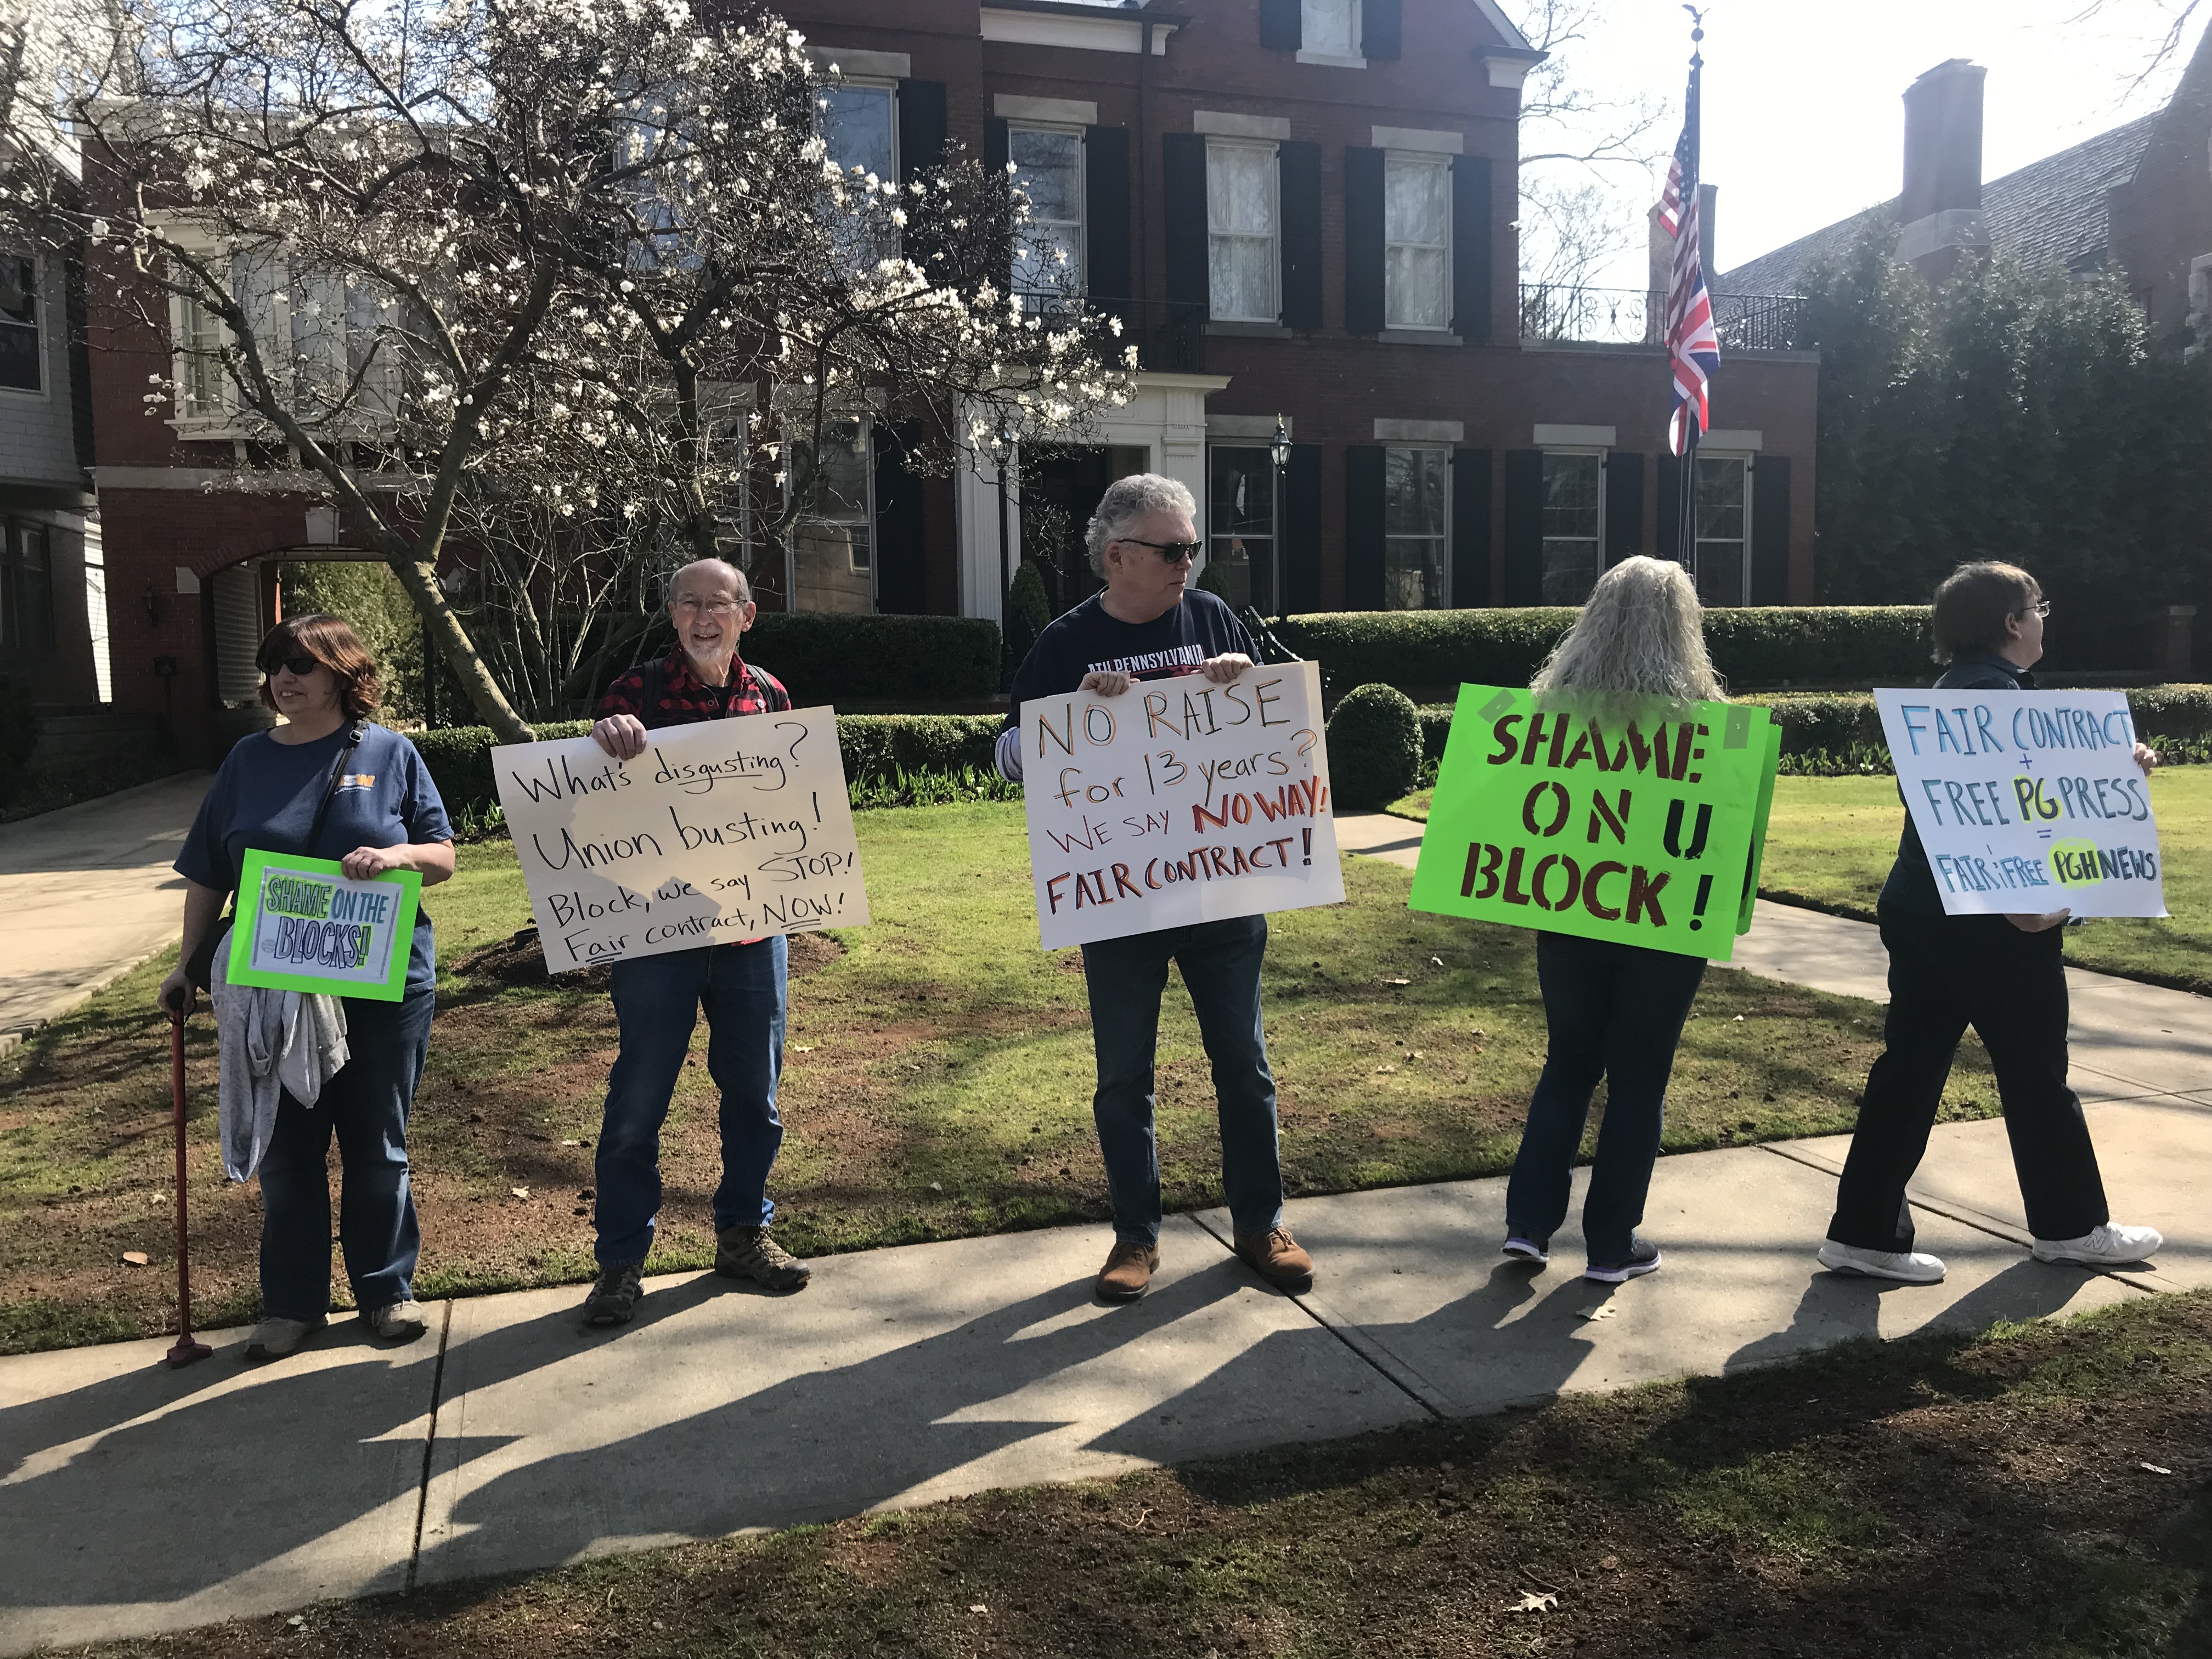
point(303, 925)
point(1646, 831)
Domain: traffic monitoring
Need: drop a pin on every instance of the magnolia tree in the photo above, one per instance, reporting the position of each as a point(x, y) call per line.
point(542, 293)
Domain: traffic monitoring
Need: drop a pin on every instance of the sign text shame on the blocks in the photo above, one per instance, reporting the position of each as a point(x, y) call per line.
point(1179, 801)
point(721, 831)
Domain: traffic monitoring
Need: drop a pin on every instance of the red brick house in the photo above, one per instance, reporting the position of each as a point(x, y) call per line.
point(1301, 208)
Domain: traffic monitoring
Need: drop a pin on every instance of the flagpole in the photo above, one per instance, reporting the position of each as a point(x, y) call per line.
point(1685, 545)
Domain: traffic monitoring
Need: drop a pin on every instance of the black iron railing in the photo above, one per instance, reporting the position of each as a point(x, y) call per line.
point(1618, 316)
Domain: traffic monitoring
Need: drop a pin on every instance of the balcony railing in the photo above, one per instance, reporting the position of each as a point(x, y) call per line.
point(1170, 334)
point(1620, 316)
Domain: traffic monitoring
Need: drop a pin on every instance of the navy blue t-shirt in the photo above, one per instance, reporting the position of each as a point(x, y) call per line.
point(1089, 638)
point(265, 796)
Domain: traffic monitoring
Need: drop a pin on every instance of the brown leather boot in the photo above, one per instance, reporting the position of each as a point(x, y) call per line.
point(1276, 1257)
point(1128, 1274)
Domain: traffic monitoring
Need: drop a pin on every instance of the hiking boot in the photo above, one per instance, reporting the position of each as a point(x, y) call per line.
point(1522, 1247)
point(1905, 1267)
point(1276, 1257)
point(1128, 1271)
point(2107, 1247)
point(743, 1252)
point(275, 1337)
point(1642, 1258)
point(402, 1322)
point(613, 1299)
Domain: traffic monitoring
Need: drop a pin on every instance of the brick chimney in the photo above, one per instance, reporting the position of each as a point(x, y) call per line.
point(1939, 211)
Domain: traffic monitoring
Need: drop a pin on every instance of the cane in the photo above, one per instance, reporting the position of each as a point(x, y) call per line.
point(186, 1350)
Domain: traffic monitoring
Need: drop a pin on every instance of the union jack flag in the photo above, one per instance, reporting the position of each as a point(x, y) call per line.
point(1694, 350)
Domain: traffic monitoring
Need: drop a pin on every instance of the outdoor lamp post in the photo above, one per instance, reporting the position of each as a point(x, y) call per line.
point(1280, 452)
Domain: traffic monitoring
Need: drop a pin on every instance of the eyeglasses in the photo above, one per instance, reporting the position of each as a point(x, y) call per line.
point(1170, 552)
point(2041, 607)
point(299, 666)
point(717, 609)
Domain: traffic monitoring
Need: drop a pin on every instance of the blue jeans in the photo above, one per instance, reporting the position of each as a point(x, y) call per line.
point(657, 1001)
point(1613, 1012)
point(1220, 963)
point(365, 1104)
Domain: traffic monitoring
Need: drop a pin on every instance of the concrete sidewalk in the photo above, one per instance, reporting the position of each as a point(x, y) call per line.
point(85, 895)
point(134, 1499)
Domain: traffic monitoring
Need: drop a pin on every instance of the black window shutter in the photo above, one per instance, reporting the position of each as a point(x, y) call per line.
point(1363, 240)
point(1363, 527)
point(1524, 527)
point(1378, 28)
point(1282, 27)
point(898, 550)
point(1298, 169)
point(1470, 523)
point(998, 148)
point(1302, 529)
point(1623, 506)
point(1183, 166)
point(921, 127)
point(1670, 509)
point(1471, 247)
point(1106, 209)
point(1770, 530)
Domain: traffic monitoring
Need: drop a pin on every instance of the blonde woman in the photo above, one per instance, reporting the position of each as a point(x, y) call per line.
point(1613, 1012)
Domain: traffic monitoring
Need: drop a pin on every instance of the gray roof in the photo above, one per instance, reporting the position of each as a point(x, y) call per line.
point(2050, 212)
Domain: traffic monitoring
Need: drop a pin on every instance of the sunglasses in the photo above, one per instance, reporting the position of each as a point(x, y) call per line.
point(300, 667)
point(1170, 552)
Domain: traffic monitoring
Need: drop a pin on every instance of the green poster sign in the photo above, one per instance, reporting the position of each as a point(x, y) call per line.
point(303, 925)
point(1645, 831)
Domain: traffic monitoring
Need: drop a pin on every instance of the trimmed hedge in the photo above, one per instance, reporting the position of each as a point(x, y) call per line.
point(879, 750)
point(1374, 747)
point(19, 735)
point(827, 658)
point(1755, 647)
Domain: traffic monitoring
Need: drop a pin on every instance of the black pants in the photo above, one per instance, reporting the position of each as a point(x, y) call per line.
point(1946, 973)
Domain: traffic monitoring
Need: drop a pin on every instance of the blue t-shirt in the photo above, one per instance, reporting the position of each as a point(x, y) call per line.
point(265, 796)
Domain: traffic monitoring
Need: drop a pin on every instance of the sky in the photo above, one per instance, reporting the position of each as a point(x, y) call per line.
point(1802, 120)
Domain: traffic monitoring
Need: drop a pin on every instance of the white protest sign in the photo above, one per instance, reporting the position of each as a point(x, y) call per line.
point(2027, 801)
point(1179, 801)
point(721, 831)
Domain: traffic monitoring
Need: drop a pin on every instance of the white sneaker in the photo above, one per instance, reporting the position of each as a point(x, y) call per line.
point(273, 1338)
point(2107, 1247)
point(1906, 1267)
point(402, 1322)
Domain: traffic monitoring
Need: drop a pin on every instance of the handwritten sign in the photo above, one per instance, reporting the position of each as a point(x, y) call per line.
point(721, 831)
point(2027, 801)
point(1179, 801)
point(1648, 832)
point(303, 925)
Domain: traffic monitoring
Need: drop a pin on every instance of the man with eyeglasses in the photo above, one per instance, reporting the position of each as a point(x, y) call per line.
point(1148, 624)
point(657, 998)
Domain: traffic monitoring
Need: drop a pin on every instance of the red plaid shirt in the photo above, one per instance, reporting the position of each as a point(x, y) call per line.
point(684, 697)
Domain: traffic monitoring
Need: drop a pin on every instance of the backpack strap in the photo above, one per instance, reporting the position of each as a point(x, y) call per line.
point(656, 674)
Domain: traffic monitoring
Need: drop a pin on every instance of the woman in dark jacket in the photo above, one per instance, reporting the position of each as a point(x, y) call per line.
point(2005, 976)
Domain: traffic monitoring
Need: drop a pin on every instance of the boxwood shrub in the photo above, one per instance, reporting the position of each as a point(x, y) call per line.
point(1374, 747)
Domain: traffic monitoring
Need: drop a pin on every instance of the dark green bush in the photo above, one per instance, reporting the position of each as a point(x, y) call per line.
point(827, 658)
point(1374, 747)
point(1429, 652)
point(19, 735)
point(459, 759)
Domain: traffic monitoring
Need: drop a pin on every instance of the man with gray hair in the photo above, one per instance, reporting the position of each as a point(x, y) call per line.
point(1147, 623)
point(657, 998)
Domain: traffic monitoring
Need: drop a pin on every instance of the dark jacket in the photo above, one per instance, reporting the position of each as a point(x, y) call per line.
point(1911, 883)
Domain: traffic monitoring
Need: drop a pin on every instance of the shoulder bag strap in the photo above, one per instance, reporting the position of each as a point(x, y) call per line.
point(330, 786)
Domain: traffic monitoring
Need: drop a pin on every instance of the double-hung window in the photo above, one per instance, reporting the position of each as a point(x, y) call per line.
point(1243, 224)
point(1329, 28)
point(327, 341)
point(22, 349)
point(1417, 217)
point(1724, 556)
point(832, 540)
point(1241, 521)
point(27, 587)
point(1048, 249)
point(1574, 523)
point(1416, 529)
point(859, 125)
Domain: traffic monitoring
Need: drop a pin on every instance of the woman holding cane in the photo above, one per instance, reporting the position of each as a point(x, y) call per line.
point(328, 783)
point(2004, 975)
point(1613, 1011)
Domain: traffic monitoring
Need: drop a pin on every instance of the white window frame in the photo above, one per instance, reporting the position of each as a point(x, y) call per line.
point(1358, 58)
point(1443, 540)
point(1082, 221)
point(1273, 151)
point(1597, 544)
point(44, 390)
point(1432, 162)
point(1746, 459)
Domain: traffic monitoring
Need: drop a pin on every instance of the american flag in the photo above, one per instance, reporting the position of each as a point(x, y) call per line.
point(1694, 350)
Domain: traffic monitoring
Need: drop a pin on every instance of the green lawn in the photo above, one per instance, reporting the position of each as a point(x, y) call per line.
point(1831, 843)
point(937, 1084)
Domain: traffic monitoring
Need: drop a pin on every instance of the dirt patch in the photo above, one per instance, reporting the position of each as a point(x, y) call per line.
point(521, 961)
